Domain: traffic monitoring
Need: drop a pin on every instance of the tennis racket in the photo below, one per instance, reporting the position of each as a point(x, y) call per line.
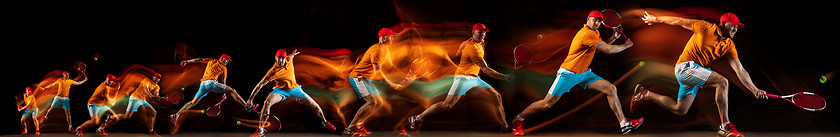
point(216, 109)
point(805, 100)
point(81, 66)
point(522, 56)
point(273, 122)
point(613, 20)
point(174, 97)
point(20, 102)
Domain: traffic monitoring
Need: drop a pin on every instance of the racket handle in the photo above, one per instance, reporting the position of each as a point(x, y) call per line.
point(772, 95)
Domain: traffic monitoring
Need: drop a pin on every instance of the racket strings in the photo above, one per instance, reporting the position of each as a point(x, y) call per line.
point(809, 101)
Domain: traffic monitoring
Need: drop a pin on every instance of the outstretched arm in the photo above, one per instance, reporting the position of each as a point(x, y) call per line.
point(48, 86)
point(293, 54)
point(490, 71)
point(745, 79)
point(611, 49)
point(195, 60)
point(256, 89)
point(82, 81)
point(677, 21)
point(378, 69)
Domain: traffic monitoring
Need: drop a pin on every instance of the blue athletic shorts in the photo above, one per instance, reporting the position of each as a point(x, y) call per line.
point(565, 80)
point(29, 112)
point(208, 86)
point(286, 93)
point(97, 110)
point(691, 77)
point(363, 87)
point(135, 103)
point(463, 83)
point(62, 102)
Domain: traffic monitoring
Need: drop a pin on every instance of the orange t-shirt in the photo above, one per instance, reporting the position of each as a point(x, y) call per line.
point(473, 50)
point(147, 87)
point(63, 89)
point(582, 50)
point(365, 66)
point(103, 94)
point(214, 69)
point(283, 76)
point(30, 101)
point(705, 45)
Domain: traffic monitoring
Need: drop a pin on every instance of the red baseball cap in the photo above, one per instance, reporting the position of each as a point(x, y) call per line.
point(596, 14)
point(479, 26)
point(28, 89)
point(158, 75)
point(226, 57)
point(386, 31)
point(282, 52)
point(109, 76)
point(65, 73)
point(731, 18)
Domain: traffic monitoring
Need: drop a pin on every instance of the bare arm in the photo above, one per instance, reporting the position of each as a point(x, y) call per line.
point(293, 54)
point(677, 21)
point(745, 79)
point(257, 88)
point(49, 86)
point(81, 82)
point(490, 71)
point(611, 49)
point(378, 69)
point(199, 60)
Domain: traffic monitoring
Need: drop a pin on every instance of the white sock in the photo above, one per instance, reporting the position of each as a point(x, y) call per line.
point(623, 122)
point(723, 125)
point(518, 118)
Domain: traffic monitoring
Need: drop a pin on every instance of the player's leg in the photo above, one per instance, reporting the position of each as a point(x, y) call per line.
point(49, 109)
point(69, 119)
point(307, 101)
point(94, 119)
point(500, 108)
point(609, 89)
point(373, 103)
point(563, 82)
point(151, 113)
point(266, 109)
point(721, 85)
point(627, 125)
point(236, 97)
point(110, 118)
point(203, 90)
point(23, 120)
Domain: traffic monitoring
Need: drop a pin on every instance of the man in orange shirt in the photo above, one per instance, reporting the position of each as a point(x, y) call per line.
point(466, 77)
point(147, 89)
point(29, 110)
point(709, 43)
point(62, 99)
point(575, 70)
point(100, 104)
point(213, 80)
point(283, 75)
point(368, 69)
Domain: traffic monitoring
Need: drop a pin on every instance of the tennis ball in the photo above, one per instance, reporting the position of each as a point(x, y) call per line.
point(202, 111)
point(539, 37)
point(641, 64)
point(238, 122)
point(823, 79)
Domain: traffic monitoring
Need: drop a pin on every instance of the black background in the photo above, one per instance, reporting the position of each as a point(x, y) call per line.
point(795, 36)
